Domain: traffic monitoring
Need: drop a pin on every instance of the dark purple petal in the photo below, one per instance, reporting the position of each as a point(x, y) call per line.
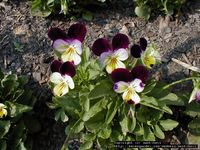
point(56, 33)
point(101, 45)
point(198, 97)
point(121, 74)
point(141, 73)
point(131, 102)
point(143, 43)
point(77, 31)
point(136, 51)
point(68, 68)
point(120, 41)
point(55, 66)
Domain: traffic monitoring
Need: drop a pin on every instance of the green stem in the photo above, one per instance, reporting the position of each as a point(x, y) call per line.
point(179, 81)
point(67, 138)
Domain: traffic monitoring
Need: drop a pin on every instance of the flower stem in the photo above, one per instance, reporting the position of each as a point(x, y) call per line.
point(179, 81)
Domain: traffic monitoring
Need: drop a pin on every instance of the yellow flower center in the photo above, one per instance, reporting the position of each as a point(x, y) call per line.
point(112, 62)
point(60, 88)
point(67, 55)
point(3, 112)
point(149, 61)
point(129, 93)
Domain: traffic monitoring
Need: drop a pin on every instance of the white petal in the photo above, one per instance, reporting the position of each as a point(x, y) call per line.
point(77, 45)
point(136, 98)
point(61, 89)
point(2, 105)
point(128, 94)
point(69, 81)
point(56, 78)
point(120, 86)
point(71, 56)
point(112, 66)
point(60, 45)
point(137, 85)
point(121, 54)
point(104, 57)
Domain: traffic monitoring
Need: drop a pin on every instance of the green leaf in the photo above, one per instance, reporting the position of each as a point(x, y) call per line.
point(143, 11)
point(193, 139)
point(64, 6)
point(86, 145)
point(131, 123)
point(78, 127)
point(15, 109)
point(104, 88)
point(149, 86)
point(3, 145)
point(112, 110)
point(84, 100)
point(89, 137)
point(94, 109)
point(86, 54)
point(168, 125)
point(21, 146)
point(116, 135)
point(139, 130)
point(1, 74)
point(172, 99)
point(158, 132)
point(153, 103)
point(95, 123)
point(148, 134)
point(124, 124)
point(105, 132)
point(192, 109)
point(87, 16)
point(4, 128)
point(194, 126)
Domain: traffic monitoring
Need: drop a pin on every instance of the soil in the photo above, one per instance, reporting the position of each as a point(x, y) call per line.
point(26, 49)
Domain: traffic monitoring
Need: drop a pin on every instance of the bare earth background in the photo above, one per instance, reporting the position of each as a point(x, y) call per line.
point(25, 49)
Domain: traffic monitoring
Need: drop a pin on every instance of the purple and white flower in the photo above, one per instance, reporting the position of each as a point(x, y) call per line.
point(69, 46)
point(128, 85)
point(62, 77)
point(111, 56)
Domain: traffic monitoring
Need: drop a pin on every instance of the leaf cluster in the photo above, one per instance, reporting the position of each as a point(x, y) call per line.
point(19, 102)
point(168, 7)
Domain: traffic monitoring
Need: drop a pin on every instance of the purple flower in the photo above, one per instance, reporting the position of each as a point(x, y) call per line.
point(112, 56)
point(121, 74)
point(140, 72)
point(69, 46)
point(137, 49)
point(197, 97)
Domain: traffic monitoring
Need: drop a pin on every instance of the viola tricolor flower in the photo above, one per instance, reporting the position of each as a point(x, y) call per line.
point(149, 55)
point(111, 56)
point(126, 84)
point(3, 111)
point(69, 46)
point(62, 77)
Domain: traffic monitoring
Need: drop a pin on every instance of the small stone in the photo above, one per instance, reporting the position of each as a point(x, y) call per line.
point(37, 76)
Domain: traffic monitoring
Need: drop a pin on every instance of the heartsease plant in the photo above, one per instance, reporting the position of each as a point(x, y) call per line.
point(16, 119)
point(106, 93)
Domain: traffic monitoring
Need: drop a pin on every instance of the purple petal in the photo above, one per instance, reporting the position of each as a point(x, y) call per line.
point(55, 66)
point(56, 33)
point(77, 31)
point(68, 68)
point(131, 102)
point(141, 73)
point(198, 97)
point(136, 51)
point(121, 74)
point(120, 41)
point(101, 45)
point(143, 43)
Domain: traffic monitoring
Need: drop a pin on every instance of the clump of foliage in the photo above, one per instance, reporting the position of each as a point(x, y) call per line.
point(46, 7)
point(105, 94)
point(16, 103)
point(168, 7)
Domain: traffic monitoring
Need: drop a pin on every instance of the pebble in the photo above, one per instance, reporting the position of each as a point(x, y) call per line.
point(37, 76)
